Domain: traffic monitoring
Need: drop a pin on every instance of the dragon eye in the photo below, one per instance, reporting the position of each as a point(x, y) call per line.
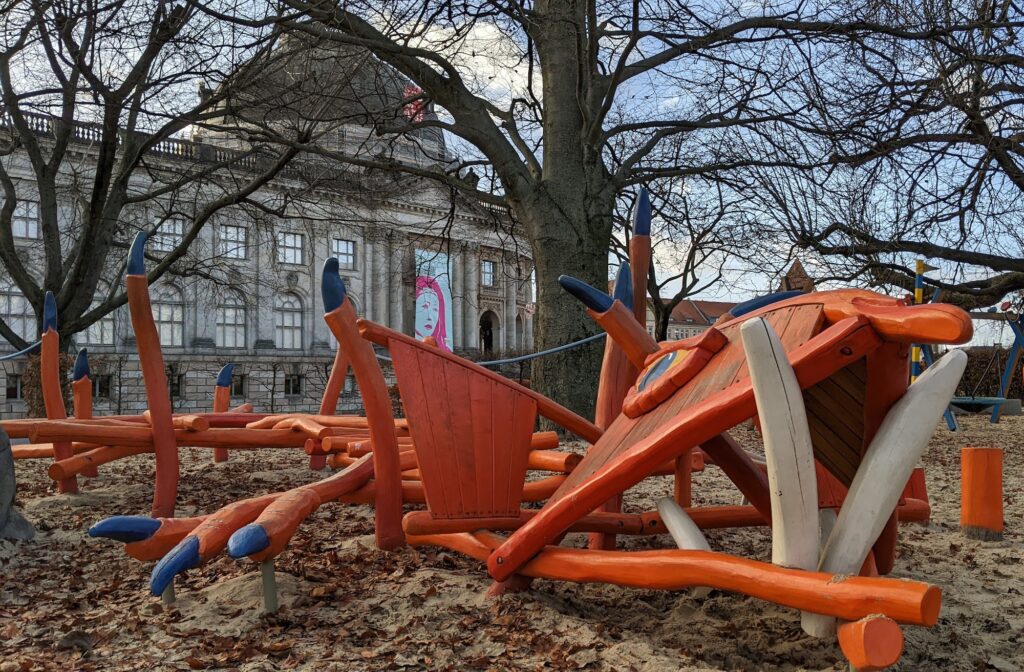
point(660, 368)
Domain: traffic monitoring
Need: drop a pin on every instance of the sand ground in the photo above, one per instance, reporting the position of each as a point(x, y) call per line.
point(70, 602)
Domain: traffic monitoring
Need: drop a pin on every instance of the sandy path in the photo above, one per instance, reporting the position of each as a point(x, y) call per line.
point(69, 602)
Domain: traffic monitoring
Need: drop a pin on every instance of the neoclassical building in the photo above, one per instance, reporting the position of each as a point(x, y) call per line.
point(248, 292)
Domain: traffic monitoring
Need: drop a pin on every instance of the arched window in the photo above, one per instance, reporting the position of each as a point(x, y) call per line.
point(169, 315)
point(231, 320)
point(100, 332)
point(17, 312)
point(288, 322)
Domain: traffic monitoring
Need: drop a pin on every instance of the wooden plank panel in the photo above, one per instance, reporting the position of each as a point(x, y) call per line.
point(821, 404)
point(410, 380)
point(463, 447)
point(440, 411)
point(479, 396)
point(524, 418)
point(826, 453)
point(501, 412)
point(796, 326)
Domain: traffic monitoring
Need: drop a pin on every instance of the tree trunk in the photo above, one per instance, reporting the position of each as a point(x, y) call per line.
point(570, 378)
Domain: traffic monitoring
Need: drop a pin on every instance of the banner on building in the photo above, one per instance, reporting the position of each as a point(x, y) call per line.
point(433, 297)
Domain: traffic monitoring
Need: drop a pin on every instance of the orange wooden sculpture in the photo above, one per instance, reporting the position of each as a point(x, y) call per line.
point(834, 342)
point(49, 378)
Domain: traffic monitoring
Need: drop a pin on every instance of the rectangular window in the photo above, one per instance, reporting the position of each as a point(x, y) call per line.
point(101, 386)
point(233, 241)
point(487, 273)
point(176, 384)
point(350, 384)
point(290, 247)
point(238, 385)
point(13, 386)
point(25, 220)
point(169, 235)
point(292, 384)
point(345, 252)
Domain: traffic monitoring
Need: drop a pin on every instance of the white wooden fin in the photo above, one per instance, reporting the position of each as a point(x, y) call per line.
point(684, 532)
point(887, 464)
point(789, 454)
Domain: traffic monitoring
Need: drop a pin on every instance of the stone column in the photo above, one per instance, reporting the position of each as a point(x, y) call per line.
point(368, 270)
point(509, 333)
point(455, 275)
point(396, 284)
point(471, 310)
point(379, 281)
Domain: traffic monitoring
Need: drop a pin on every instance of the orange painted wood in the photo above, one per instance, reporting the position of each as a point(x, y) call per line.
point(221, 403)
point(35, 451)
point(552, 460)
point(623, 328)
point(59, 430)
point(172, 530)
point(388, 493)
point(215, 530)
point(243, 408)
point(472, 441)
point(89, 460)
point(849, 598)
point(873, 643)
point(81, 407)
point(888, 374)
point(639, 265)
point(53, 399)
point(742, 471)
point(151, 361)
point(981, 493)
point(549, 409)
point(191, 423)
point(329, 402)
point(421, 522)
point(282, 517)
point(812, 362)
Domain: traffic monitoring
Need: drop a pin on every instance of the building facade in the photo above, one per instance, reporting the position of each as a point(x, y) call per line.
point(248, 290)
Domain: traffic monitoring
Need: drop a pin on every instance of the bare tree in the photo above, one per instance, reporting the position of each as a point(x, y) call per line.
point(95, 99)
point(924, 145)
point(564, 104)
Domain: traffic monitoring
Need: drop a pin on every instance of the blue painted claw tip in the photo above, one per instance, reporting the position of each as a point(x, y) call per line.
point(642, 217)
point(183, 556)
point(250, 539)
point(125, 528)
point(332, 287)
point(624, 285)
point(49, 312)
point(81, 369)
point(592, 298)
point(751, 305)
point(137, 254)
point(224, 377)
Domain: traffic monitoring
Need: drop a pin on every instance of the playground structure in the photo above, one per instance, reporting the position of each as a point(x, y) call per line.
point(824, 375)
point(845, 436)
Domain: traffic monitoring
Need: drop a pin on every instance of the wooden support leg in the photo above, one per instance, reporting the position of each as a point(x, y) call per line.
point(684, 479)
point(981, 493)
point(872, 643)
point(684, 532)
point(269, 586)
point(168, 597)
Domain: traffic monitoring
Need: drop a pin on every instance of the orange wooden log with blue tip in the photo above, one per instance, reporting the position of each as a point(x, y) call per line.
point(341, 319)
point(151, 360)
point(81, 398)
point(49, 379)
point(221, 403)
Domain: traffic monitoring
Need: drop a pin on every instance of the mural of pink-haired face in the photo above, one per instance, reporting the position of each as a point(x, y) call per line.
point(431, 311)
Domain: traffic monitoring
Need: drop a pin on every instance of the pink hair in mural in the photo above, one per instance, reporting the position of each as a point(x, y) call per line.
point(431, 311)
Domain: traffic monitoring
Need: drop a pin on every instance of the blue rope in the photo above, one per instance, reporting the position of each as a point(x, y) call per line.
point(526, 358)
point(29, 349)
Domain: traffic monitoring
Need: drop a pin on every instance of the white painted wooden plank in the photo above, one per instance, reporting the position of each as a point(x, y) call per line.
point(789, 454)
point(684, 532)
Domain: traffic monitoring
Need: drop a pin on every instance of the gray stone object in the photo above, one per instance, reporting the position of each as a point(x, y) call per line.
point(12, 524)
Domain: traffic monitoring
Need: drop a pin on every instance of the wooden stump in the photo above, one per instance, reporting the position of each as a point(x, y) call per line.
point(981, 493)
